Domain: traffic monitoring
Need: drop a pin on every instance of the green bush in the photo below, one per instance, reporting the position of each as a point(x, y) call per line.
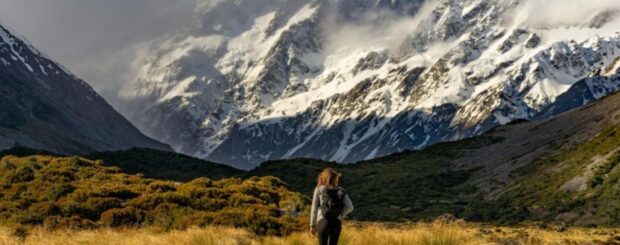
point(59, 190)
point(73, 222)
point(81, 194)
point(121, 217)
point(44, 209)
point(22, 174)
point(98, 205)
point(161, 186)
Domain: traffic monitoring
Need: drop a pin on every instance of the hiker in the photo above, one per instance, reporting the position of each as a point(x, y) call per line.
point(330, 204)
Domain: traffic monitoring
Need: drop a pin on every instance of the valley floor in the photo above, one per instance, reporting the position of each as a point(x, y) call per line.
point(437, 233)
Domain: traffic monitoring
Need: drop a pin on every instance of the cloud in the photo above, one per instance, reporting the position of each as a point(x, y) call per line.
point(562, 13)
point(99, 40)
point(92, 38)
point(381, 29)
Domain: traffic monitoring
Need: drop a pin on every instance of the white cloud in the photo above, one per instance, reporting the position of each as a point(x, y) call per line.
point(562, 13)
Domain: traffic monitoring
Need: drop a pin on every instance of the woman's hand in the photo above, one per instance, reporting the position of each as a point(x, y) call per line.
point(312, 231)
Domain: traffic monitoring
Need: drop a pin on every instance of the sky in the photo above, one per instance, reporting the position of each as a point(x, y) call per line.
point(85, 34)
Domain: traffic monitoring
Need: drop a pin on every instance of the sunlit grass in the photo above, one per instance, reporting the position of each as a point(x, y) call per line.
point(436, 233)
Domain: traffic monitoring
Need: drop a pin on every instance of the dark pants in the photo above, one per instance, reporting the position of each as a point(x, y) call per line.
point(329, 231)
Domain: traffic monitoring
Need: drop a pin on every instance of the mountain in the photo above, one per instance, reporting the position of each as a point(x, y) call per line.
point(561, 169)
point(257, 80)
point(44, 106)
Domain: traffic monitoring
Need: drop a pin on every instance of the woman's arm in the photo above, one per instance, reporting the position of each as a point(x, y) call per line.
point(348, 206)
point(315, 208)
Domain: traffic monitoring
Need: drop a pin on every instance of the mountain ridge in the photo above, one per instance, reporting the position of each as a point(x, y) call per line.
point(46, 107)
point(560, 169)
point(348, 81)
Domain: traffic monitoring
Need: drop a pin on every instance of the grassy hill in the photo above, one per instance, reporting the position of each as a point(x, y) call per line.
point(74, 192)
point(402, 187)
point(563, 169)
point(149, 163)
point(411, 185)
point(164, 165)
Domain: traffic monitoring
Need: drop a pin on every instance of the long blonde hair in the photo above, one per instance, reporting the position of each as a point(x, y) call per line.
point(329, 178)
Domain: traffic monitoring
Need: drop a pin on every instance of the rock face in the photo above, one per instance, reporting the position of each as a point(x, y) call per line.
point(256, 80)
point(44, 106)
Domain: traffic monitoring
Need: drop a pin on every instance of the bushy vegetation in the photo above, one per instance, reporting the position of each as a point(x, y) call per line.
point(78, 193)
point(403, 187)
point(541, 196)
point(164, 165)
point(423, 185)
point(406, 186)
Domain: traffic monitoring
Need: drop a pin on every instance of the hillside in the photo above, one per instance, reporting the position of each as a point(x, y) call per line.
point(77, 193)
point(560, 169)
point(44, 106)
point(164, 165)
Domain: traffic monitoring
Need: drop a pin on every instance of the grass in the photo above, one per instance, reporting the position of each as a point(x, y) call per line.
point(436, 233)
point(410, 186)
point(539, 195)
point(74, 192)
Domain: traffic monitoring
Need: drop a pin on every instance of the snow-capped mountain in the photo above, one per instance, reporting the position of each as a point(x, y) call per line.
point(43, 106)
point(348, 80)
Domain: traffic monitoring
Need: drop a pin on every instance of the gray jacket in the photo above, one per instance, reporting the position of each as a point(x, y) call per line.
point(315, 213)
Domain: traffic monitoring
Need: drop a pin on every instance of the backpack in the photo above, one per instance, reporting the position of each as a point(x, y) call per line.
point(332, 203)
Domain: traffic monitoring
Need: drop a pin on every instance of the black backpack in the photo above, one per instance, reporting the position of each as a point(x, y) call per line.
point(332, 203)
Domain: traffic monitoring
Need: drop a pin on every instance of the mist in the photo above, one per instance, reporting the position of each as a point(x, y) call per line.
point(552, 13)
point(94, 39)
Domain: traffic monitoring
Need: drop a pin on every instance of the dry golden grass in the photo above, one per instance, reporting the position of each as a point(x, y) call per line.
point(436, 233)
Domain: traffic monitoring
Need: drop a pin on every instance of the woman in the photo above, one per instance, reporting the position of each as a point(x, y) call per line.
point(330, 204)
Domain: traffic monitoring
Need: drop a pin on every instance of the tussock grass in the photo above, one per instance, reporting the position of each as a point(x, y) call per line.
point(78, 193)
point(436, 233)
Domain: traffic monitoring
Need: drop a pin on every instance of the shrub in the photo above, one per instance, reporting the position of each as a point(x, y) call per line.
point(60, 194)
point(28, 218)
point(122, 217)
point(176, 198)
point(160, 186)
point(70, 208)
point(7, 165)
point(20, 232)
point(241, 199)
point(98, 205)
point(201, 182)
point(603, 170)
point(119, 191)
point(216, 193)
point(44, 209)
point(59, 190)
point(209, 204)
point(23, 174)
